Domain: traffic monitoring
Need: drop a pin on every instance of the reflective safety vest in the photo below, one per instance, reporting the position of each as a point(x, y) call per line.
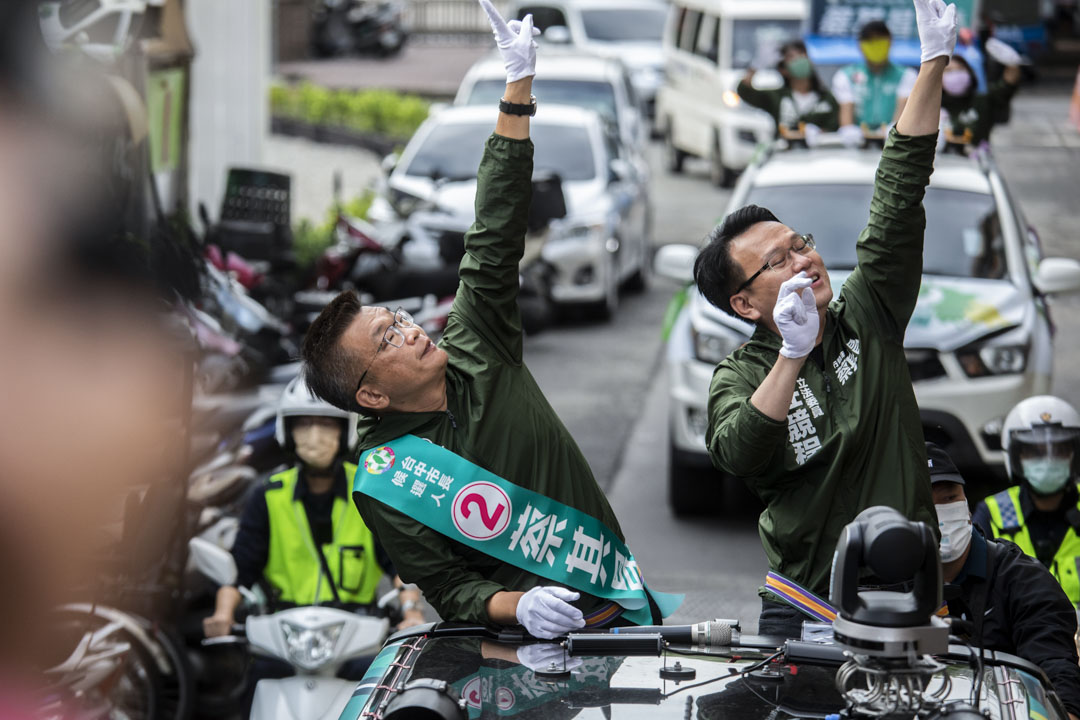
point(1007, 521)
point(875, 95)
point(293, 568)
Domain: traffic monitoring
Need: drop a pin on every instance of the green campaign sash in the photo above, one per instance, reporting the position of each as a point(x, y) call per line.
point(473, 506)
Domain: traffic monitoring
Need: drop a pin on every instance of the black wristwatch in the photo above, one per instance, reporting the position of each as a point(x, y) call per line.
point(518, 109)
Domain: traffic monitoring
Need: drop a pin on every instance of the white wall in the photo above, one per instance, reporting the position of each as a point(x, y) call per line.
point(229, 85)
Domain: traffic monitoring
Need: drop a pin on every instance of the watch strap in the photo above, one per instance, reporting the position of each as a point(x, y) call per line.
point(518, 108)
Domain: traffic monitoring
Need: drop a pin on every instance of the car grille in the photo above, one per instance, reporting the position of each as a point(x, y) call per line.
point(924, 365)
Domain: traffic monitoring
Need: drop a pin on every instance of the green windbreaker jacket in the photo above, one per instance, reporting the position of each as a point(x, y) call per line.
point(852, 438)
point(497, 416)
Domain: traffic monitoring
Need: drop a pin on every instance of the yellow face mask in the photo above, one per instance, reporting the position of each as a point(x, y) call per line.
point(876, 51)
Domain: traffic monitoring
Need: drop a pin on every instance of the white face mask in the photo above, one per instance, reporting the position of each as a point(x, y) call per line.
point(1047, 475)
point(316, 445)
point(954, 522)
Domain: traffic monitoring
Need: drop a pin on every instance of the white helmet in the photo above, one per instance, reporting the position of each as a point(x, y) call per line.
point(1039, 425)
point(298, 401)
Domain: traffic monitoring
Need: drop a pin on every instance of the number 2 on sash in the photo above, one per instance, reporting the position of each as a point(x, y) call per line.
point(490, 521)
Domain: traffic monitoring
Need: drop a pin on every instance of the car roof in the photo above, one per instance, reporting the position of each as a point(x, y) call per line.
point(581, 4)
point(554, 66)
point(553, 115)
point(857, 167)
point(743, 9)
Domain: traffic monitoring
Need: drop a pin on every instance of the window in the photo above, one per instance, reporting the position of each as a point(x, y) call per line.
point(678, 20)
point(689, 30)
point(624, 24)
point(708, 40)
point(544, 16)
point(748, 35)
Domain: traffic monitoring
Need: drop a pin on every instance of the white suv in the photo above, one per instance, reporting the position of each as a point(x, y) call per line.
point(979, 341)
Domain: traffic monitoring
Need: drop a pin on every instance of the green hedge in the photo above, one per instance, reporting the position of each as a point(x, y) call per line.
point(384, 112)
point(310, 239)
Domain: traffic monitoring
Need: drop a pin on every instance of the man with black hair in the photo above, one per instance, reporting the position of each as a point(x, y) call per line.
point(468, 477)
point(873, 92)
point(820, 441)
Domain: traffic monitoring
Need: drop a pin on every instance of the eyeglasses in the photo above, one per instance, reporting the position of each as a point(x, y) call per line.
point(393, 337)
point(778, 260)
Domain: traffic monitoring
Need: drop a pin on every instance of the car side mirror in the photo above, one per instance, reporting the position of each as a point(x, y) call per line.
point(676, 262)
point(212, 561)
point(389, 163)
point(621, 171)
point(557, 35)
point(1057, 275)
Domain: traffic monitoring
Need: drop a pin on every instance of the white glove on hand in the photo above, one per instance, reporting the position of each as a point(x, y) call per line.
point(937, 28)
point(546, 612)
point(515, 41)
point(796, 316)
point(767, 57)
point(851, 135)
point(1002, 52)
point(812, 134)
point(540, 657)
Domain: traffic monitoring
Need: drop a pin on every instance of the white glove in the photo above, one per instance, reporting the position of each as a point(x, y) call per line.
point(812, 134)
point(937, 28)
point(796, 316)
point(515, 41)
point(546, 612)
point(767, 57)
point(540, 657)
point(1002, 52)
point(851, 135)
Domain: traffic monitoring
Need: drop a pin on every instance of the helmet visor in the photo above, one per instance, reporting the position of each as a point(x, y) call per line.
point(1047, 441)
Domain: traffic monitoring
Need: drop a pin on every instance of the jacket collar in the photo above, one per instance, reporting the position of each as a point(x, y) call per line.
point(975, 565)
point(340, 488)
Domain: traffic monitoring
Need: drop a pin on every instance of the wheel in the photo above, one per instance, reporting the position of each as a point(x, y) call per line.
point(693, 487)
point(719, 174)
point(673, 156)
point(639, 281)
point(605, 309)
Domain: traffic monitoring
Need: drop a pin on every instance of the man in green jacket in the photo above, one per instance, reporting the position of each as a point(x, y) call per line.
point(820, 441)
point(472, 395)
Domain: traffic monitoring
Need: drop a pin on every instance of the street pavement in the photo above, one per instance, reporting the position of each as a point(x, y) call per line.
point(608, 382)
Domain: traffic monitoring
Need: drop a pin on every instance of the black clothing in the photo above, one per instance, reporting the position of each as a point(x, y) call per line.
point(1014, 605)
point(252, 546)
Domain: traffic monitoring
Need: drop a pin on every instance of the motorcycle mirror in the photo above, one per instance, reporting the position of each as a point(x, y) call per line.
point(212, 561)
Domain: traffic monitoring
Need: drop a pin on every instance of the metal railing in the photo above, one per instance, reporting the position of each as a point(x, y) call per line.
point(463, 18)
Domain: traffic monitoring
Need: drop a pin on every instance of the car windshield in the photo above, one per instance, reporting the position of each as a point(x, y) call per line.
point(593, 95)
point(963, 229)
point(453, 150)
point(624, 24)
point(748, 35)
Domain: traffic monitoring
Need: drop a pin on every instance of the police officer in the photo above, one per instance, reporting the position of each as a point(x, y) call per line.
point(999, 598)
point(1041, 512)
point(300, 535)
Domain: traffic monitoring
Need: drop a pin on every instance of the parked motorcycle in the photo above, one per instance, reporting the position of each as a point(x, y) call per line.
point(317, 641)
point(344, 27)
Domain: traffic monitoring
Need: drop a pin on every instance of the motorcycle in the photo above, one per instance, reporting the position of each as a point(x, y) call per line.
point(317, 641)
point(343, 27)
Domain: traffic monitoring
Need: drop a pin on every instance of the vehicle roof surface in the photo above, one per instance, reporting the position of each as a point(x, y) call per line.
point(554, 66)
point(745, 9)
point(582, 4)
point(552, 115)
point(845, 167)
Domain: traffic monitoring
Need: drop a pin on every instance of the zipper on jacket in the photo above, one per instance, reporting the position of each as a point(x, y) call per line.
point(828, 385)
point(452, 421)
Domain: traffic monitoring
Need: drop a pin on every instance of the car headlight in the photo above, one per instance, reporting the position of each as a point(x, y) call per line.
point(982, 361)
point(310, 648)
point(711, 348)
point(731, 98)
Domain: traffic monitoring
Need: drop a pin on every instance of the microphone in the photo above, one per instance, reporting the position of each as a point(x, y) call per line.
point(710, 633)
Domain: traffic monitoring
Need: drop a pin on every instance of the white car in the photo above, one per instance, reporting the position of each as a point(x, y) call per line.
point(600, 245)
point(979, 341)
point(569, 78)
point(628, 30)
point(708, 45)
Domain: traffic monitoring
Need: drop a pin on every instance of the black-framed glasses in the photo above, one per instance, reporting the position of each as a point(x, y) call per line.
point(393, 337)
point(778, 260)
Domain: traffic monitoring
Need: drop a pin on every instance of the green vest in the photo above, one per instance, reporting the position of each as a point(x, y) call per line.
point(875, 95)
point(294, 569)
point(1007, 521)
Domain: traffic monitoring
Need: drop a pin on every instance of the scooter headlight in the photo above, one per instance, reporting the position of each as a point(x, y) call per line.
point(311, 648)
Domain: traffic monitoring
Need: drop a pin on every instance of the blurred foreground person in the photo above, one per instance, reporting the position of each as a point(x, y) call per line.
point(816, 412)
point(1041, 512)
point(93, 373)
point(803, 101)
point(998, 597)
